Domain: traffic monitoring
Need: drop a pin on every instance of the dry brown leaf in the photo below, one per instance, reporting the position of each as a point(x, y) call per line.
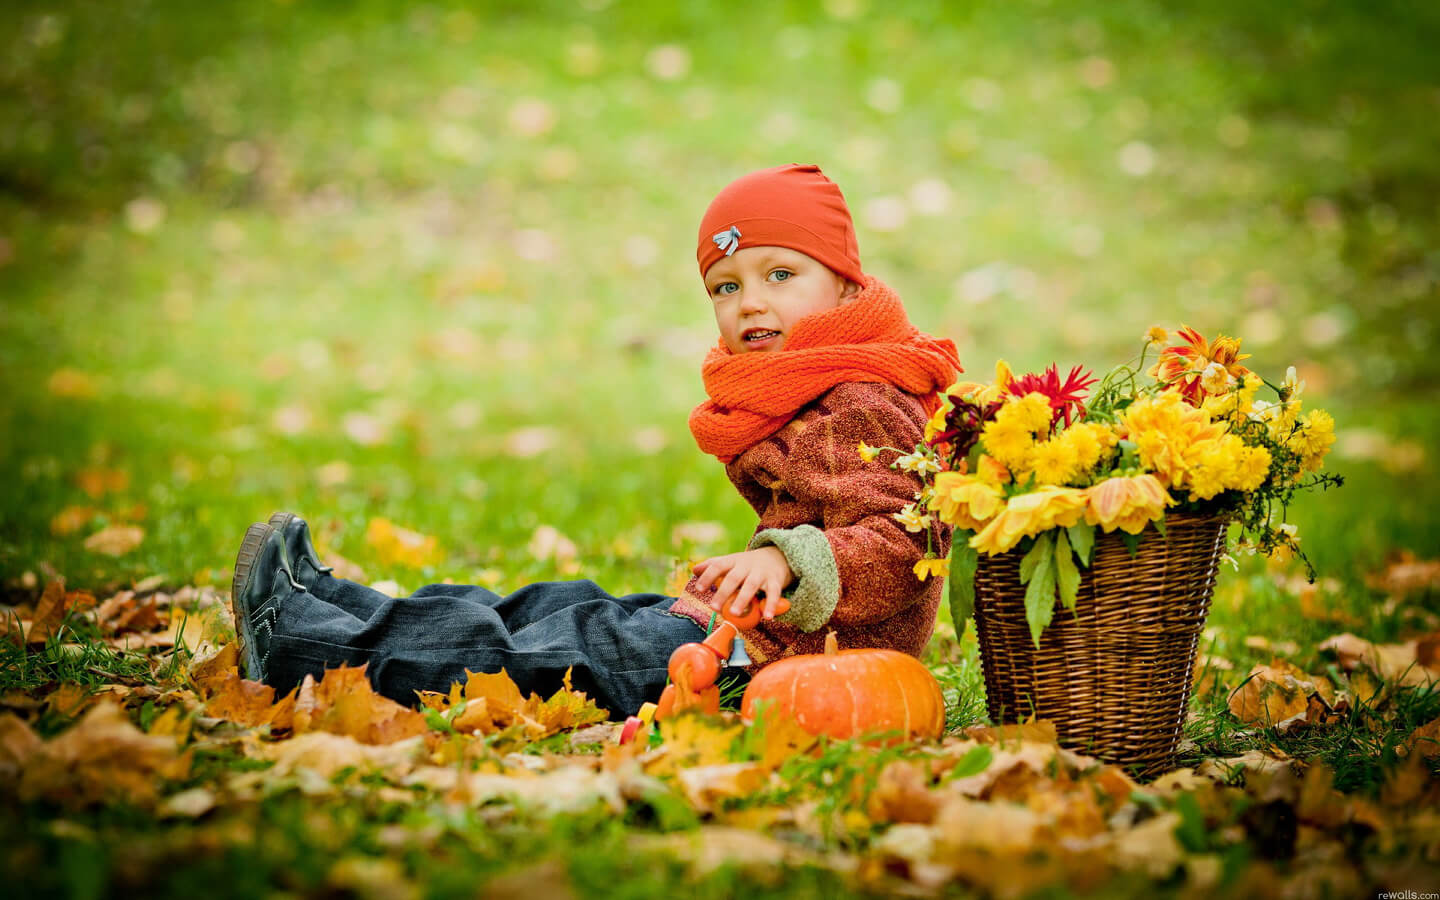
point(191, 804)
point(711, 847)
point(1254, 760)
point(1276, 692)
point(343, 702)
point(706, 787)
point(72, 520)
point(103, 758)
point(1042, 730)
point(327, 754)
point(247, 703)
point(49, 613)
point(213, 661)
point(115, 540)
point(902, 794)
point(1150, 846)
point(97, 481)
point(1398, 663)
point(17, 745)
point(69, 700)
point(394, 545)
point(1425, 740)
point(963, 823)
point(1406, 574)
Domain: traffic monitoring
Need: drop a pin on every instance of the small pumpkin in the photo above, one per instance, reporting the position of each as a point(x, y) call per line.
point(850, 693)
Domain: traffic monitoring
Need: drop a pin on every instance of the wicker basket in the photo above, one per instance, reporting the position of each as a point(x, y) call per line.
point(1115, 674)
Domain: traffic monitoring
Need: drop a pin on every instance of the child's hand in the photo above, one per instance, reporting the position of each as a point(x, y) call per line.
point(742, 576)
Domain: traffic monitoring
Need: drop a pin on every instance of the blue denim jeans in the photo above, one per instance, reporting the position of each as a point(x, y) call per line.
point(617, 648)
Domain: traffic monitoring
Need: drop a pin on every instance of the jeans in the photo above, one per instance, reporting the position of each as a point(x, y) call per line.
point(617, 648)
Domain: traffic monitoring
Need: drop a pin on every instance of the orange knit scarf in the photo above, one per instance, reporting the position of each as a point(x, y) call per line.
point(753, 395)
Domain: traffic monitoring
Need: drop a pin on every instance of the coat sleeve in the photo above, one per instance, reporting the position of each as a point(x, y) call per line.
point(857, 568)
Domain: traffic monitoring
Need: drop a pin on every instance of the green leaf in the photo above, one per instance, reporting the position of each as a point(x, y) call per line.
point(964, 559)
point(1067, 577)
point(1132, 542)
point(976, 760)
point(1159, 525)
point(1040, 598)
point(1082, 538)
point(1040, 553)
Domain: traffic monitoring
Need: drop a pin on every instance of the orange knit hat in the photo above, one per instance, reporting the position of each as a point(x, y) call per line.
point(787, 206)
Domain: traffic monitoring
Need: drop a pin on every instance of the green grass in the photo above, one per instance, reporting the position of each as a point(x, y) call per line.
point(243, 223)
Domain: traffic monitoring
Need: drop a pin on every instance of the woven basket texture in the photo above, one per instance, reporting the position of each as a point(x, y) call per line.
point(1115, 674)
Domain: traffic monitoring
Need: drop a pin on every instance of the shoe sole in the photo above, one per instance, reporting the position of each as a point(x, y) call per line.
point(280, 521)
point(245, 567)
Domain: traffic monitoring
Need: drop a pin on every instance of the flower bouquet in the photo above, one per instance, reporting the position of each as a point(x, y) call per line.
point(1110, 501)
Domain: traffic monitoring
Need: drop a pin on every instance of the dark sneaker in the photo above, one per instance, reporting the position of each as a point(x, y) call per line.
point(262, 581)
point(304, 561)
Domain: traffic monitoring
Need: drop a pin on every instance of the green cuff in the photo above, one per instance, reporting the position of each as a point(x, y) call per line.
point(817, 585)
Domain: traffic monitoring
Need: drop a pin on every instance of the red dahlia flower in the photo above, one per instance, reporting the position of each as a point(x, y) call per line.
point(1067, 400)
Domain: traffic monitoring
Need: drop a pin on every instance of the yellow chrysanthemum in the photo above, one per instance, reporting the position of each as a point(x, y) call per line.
point(932, 566)
point(1253, 468)
point(965, 501)
point(1030, 514)
point(1127, 502)
point(1156, 335)
point(1009, 441)
point(1090, 442)
point(1169, 434)
point(1055, 461)
point(1033, 410)
point(1313, 438)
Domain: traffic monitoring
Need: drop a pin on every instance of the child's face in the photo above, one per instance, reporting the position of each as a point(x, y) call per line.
point(760, 293)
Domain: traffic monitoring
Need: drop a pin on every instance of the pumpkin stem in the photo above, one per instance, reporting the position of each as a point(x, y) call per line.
point(832, 646)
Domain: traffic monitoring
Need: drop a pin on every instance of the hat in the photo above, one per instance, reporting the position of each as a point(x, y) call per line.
point(788, 206)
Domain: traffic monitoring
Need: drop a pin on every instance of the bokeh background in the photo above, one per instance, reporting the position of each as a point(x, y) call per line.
point(435, 263)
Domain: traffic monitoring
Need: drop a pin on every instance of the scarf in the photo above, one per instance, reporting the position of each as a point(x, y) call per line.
point(869, 339)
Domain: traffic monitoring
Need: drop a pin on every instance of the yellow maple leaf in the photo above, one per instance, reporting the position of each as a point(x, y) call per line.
point(395, 545)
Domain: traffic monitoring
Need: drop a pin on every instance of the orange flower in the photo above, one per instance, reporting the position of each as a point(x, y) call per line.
point(1182, 366)
point(1127, 502)
point(1030, 514)
point(965, 501)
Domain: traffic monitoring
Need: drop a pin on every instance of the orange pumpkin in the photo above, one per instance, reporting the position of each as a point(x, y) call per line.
point(849, 693)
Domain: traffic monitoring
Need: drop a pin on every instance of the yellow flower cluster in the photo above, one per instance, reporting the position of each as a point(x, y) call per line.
point(1185, 449)
point(1313, 439)
point(966, 501)
point(1127, 502)
point(1010, 438)
point(1030, 514)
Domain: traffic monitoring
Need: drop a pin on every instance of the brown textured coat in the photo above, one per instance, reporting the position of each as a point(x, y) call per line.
point(810, 472)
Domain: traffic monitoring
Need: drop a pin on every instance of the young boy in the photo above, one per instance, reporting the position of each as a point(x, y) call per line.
point(814, 358)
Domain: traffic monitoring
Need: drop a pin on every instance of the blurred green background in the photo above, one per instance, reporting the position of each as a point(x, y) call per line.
point(436, 262)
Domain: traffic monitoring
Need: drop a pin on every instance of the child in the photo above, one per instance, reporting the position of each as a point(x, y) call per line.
point(814, 358)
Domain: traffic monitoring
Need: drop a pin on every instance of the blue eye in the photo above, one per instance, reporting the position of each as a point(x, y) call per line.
point(781, 275)
point(727, 287)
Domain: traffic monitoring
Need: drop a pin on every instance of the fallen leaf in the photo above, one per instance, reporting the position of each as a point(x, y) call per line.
point(327, 753)
point(1425, 740)
point(1406, 574)
point(549, 544)
point(72, 520)
point(190, 804)
point(69, 700)
point(706, 787)
point(1273, 693)
point(49, 613)
point(343, 702)
point(97, 481)
point(246, 703)
point(1398, 663)
point(694, 739)
point(1254, 760)
point(902, 794)
point(102, 758)
point(115, 540)
point(394, 545)
point(17, 745)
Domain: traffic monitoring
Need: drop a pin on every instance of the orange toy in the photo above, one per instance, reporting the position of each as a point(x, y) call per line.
point(695, 666)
